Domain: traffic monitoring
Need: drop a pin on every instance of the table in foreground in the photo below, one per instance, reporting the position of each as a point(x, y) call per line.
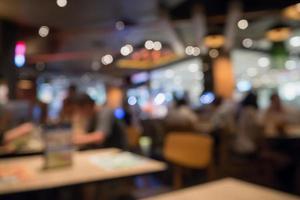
point(226, 189)
point(85, 169)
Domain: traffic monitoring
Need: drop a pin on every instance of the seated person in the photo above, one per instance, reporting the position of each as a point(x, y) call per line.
point(181, 117)
point(275, 117)
point(10, 135)
point(68, 104)
point(248, 128)
point(94, 129)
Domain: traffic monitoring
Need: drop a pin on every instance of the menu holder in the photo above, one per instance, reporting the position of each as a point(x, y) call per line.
point(58, 147)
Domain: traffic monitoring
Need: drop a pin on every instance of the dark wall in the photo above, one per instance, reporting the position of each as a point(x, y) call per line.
point(8, 70)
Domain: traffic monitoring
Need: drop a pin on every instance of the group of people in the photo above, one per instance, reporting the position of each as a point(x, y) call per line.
point(244, 122)
point(91, 127)
point(94, 127)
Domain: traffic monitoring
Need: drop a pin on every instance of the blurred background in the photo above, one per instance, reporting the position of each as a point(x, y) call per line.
point(142, 71)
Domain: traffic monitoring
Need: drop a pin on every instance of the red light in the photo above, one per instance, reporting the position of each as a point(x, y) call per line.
point(20, 48)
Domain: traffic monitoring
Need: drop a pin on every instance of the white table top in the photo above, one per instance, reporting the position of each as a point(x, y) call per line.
point(82, 171)
point(226, 189)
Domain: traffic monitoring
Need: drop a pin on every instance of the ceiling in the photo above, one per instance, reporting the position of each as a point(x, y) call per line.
point(84, 31)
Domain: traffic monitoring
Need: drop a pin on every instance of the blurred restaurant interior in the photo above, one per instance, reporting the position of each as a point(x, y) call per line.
point(150, 99)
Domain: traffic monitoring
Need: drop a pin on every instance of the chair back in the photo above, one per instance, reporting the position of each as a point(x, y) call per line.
point(188, 149)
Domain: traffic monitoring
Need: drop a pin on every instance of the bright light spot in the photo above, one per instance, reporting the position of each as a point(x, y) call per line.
point(169, 73)
point(196, 51)
point(119, 113)
point(290, 64)
point(289, 91)
point(157, 46)
point(62, 3)
point(159, 99)
point(244, 86)
point(120, 25)
point(193, 68)
point(19, 60)
point(263, 62)
point(207, 98)
point(46, 93)
point(132, 100)
point(243, 24)
point(213, 53)
point(252, 72)
point(126, 50)
point(189, 50)
point(295, 41)
point(96, 65)
point(20, 48)
point(44, 31)
point(149, 44)
point(247, 42)
point(107, 59)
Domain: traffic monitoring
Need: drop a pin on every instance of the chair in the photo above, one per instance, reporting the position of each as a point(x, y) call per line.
point(189, 150)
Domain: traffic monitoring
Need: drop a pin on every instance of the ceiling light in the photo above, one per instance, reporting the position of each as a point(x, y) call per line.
point(126, 50)
point(290, 64)
point(263, 62)
point(243, 24)
point(214, 41)
point(295, 41)
point(107, 59)
point(132, 100)
point(44, 31)
point(189, 50)
point(292, 12)
point(213, 53)
point(62, 3)
point(196, 51)
point(157, 46)
point(120, 25)
point(247, 43)
point(149, 44)
point(278, 33)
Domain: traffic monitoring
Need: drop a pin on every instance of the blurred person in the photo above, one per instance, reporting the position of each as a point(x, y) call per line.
point(223, 125)
point(275, 118)
point(14, 133)
point(93, 128)
point(181, 117)
point(68, 104)
point(248, 127)
point(10, 132)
